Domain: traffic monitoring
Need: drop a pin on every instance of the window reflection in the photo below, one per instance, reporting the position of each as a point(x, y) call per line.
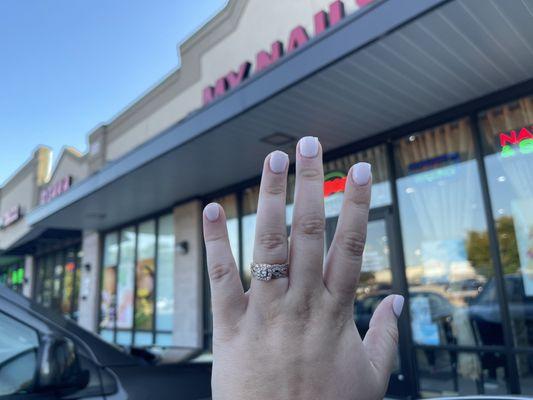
point(165, 281)
point(461, 373)
point(507, 132)
point(144, 275)
point(125, 286)
point(137, 297)
point(109, 285)
point(446, 247)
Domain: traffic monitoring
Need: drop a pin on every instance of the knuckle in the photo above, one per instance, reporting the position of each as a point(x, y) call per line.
point(311, 173)
point(219, 271)
point(214, 238)
point(272, 240)
point(352, 243)
point(275, 189)
point(392, 333)
point(311, 224)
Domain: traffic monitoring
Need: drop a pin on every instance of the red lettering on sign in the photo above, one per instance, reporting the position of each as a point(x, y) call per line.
point(263, 59)
point(513, 138)
point(321, 22)
point(297, 38)
point(336, 12)
point(210, 93)
point(235, 78)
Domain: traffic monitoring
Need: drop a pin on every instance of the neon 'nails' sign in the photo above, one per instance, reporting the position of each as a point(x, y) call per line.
point(519, 139)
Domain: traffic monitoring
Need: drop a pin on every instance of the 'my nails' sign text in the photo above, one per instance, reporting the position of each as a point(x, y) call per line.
point(297, 38)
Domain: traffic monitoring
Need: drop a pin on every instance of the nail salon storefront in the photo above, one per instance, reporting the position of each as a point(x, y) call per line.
point(437, 95)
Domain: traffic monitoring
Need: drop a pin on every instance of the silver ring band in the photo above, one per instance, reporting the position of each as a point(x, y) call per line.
point(266, 272)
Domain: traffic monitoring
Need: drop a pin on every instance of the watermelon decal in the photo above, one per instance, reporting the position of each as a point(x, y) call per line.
point(334, 182)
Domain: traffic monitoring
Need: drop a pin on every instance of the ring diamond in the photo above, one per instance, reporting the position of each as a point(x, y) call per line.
point(266, 272)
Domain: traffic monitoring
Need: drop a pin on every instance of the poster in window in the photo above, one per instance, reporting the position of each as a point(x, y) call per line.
point(145, 294)
point(107, 305)
point(125, 296)
point(523, 223)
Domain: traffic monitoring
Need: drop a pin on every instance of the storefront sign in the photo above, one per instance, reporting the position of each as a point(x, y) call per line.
point(520, 140)
point(297, 38)
point(10, 217)
point(58, 188)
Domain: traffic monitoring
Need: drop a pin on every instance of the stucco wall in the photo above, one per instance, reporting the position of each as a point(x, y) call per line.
point(72, 164)
point(22, 190)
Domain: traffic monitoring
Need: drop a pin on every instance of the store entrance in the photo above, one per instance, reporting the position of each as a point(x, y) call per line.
point(379, 278)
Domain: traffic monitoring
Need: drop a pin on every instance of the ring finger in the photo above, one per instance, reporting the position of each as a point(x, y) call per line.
point(270, 245)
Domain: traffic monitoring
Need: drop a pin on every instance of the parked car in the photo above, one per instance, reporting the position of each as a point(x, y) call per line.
point(46, 356)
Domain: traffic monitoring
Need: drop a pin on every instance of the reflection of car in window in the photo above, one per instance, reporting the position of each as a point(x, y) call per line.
point(18, 356)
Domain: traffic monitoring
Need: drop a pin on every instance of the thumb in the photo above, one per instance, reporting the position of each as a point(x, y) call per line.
point(381, 340)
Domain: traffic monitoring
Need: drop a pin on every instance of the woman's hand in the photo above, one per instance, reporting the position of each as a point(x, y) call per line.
point(295, 338)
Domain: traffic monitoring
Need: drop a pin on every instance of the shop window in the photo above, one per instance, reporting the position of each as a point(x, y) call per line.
point(507, 133)
point(12, 276)
point(58, 279)
point(164, 317)
point(525, 372)
point(125, 286)
point(461, 373)
point(452, 287)
point(137, 297)
point(109, 286)
point(144, 292)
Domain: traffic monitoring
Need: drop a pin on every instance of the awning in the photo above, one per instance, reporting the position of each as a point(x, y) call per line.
point(41, 238)
point(392, 63)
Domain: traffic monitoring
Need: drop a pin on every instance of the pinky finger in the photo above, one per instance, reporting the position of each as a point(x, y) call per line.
point(227, 294)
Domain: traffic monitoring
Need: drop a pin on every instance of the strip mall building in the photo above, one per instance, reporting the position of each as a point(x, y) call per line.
point(436, 94)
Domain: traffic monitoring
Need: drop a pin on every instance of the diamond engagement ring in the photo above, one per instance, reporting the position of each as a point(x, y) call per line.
point(266, 272)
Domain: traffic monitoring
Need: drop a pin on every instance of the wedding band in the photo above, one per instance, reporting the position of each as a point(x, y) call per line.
point(266, 272)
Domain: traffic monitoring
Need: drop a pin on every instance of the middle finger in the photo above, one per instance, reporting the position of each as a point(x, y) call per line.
point(307, 232)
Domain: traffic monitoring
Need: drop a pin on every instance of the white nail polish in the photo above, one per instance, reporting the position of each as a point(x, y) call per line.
point(309, 146)
point(212, 211)
point(397, 305)
point(361, 173)
point(278, 161)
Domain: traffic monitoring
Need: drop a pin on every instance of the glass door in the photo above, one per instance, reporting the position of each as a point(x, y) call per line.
point(377, 281)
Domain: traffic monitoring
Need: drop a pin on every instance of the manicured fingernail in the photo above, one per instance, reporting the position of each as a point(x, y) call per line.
point(361, 173)
point(212, 211)
point(397, 305)
point(278, 161)
point(309, 146)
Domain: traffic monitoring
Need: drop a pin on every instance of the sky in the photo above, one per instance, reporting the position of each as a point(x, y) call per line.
point(66, 66)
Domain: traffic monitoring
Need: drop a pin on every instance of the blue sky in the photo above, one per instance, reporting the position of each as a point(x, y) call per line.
point(67, 66)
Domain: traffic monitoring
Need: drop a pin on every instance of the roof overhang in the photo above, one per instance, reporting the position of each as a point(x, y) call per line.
point(40, 238)
point(389, 64)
